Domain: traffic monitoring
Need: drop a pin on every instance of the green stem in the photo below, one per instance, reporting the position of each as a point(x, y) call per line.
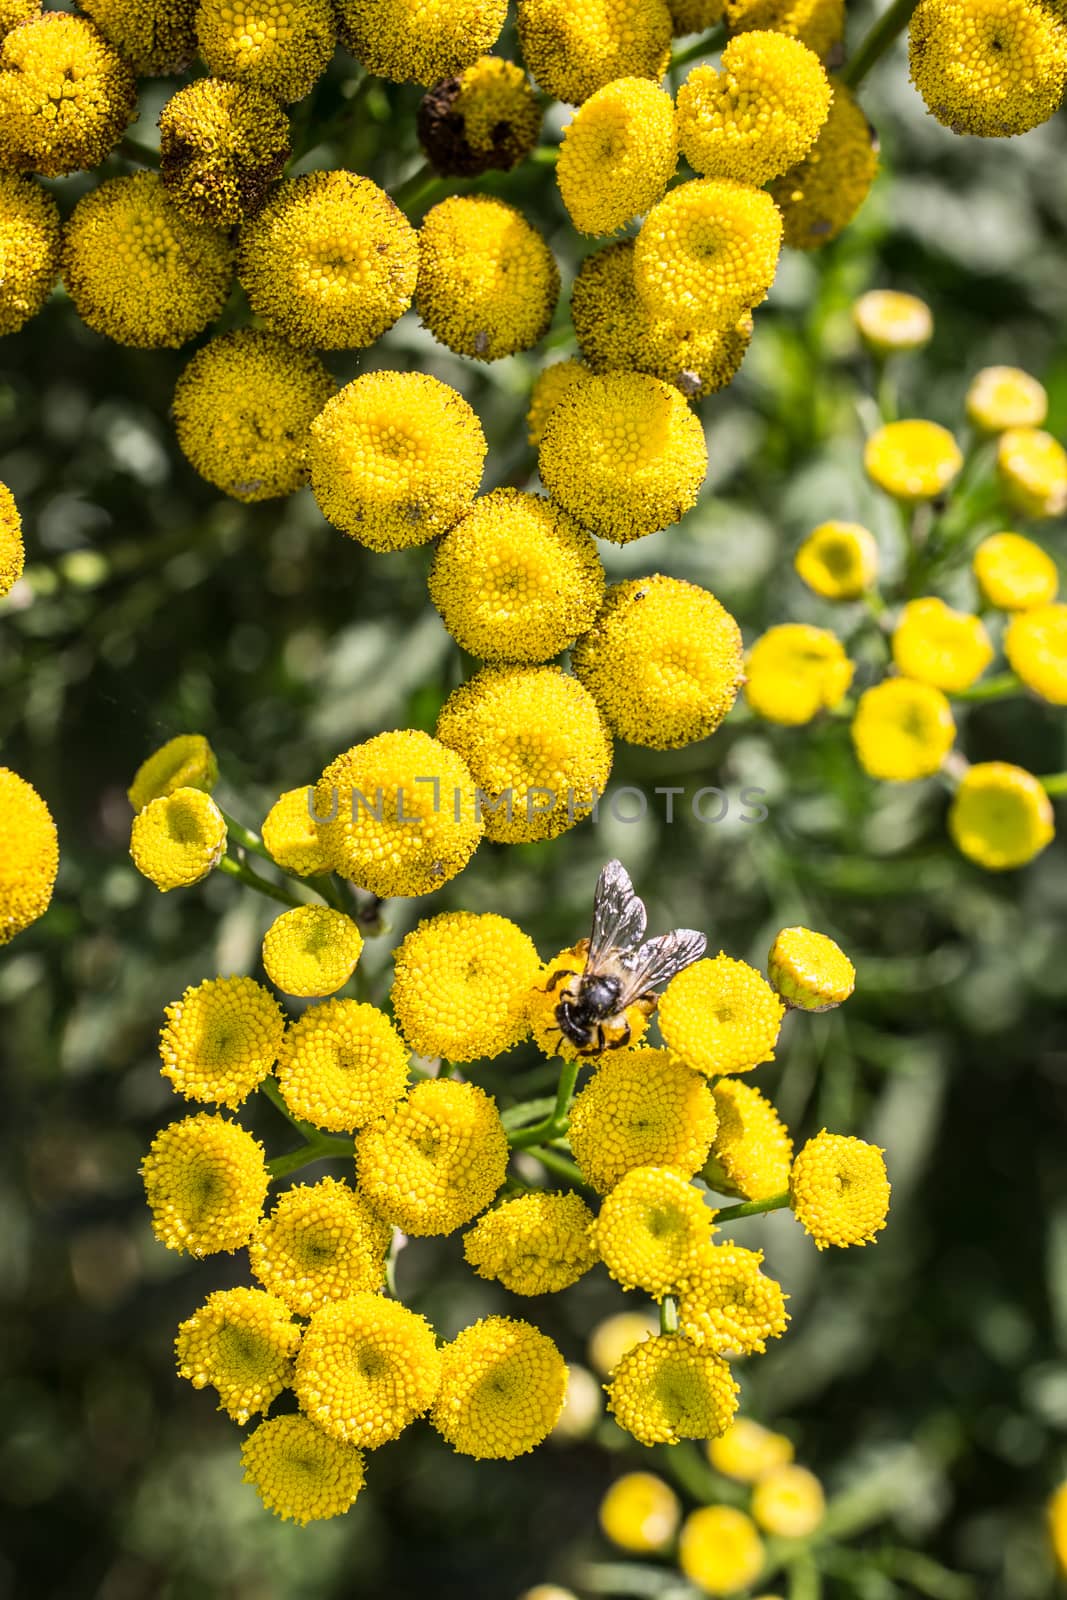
point(892, 22)
point(422, 185)
point(1055, 783)
point(269, 1088)
point(1005, 683)
point(752, 1208)
point(134, 150)
point(319, 1149)
point(559, 1165)
point(668, 1314)
point(244, 874)
point(555, 1123)
point(323, 886)
point(700, 47)
point(246, 838)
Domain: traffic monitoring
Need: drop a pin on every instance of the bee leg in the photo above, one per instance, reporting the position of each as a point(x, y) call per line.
point(561, 972)
point(646, 1003)
point(601, 1042)
point(624, 1038)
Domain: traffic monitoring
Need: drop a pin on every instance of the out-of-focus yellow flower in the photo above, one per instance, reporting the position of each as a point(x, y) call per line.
point(667, 1389)
point(1032, 467)
point(650, 1228)
point(902, 730)
point(342, 1065)
point(839, 560)
point(29, 855)
point(322, 1242)
point(575, 47)
point(641, 1108)
point(66, 96)
point(618, 155)
point(640, 1513)
point(890, 322)
point(759, 115)
point(809, 970)
point(839, 1190)
point(934, 644)
point(708, 252)
point(311, 951)
point(1013, 573)
point(221, 1039)
point(486, 118)
point(1057, 1523)
point(184, 762)
point(748, 1450)
point(913, 460)
point(794, 671)
point(550, 385)
point(222, 145)
point(29, 256)
point(503, 1384)
point(1006, 397)
point(205, 1180)
point(819, 196)
point(788, 1502)
point(461, 984)
point(419, 41)
point(720, 1016)
point(752, 1151)
point(694, 16)
point(720, 1549)
point(611, 1338)
point(178, 839)
point(817, 23)
point(280, 46)
point(1000, 816)
point(299, 1472)
point(727, 1304)
point(242, 1343)
point(988, 67)
point(583, 1406)
point(533, 1244)
point(367, 1367)
point(292, 836)
point(1035, 643)
point(156, 37)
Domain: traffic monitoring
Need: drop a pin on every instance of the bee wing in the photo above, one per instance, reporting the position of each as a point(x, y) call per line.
point(657, 962)
point(619, 919)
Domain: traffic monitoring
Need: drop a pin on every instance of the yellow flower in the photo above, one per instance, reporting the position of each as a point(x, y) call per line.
point(575, 47)
point(279, 46)
point(300, 1473)
point(650, 1228)
point(367, 1367)
point(720, 1016)
point(291, 835)
point(902, 730)
point(817, 23)
point(222, 146)
point(1032, 467)
point(720, 1549)
point(12, 550)
point(1006, 397)
point(29, 855)
point(156, 37)
point(615, 1335)
point(624, 454)
point(748, 1450)
point(140, 272)
point(934, 644)
point(29, 255)
point(536, 745)
point(1000, 816)
point(12, 12)
point(1035, 643)
point(185, 762)
point(419, 41)
point(503, 1383)
point(667, 1389)
point(550, 385)
point(794, 671)
point(912, 460)
point(322, 1242)
point(694, 16)
point(890, 322)
point(329, 260)
point(839, 1190)
point(1013, 573)
point(461, 984)
point(989, 67)
point(178, 839)
point(819, 196)
point(221, 1039)
point(1057, 1520)
point(727, 1304)
point(663, 662)
point(437, 1159)
point(242, 1343)
point(488, 117)
point(488, 283)
point(839, 560)
point(342, 1065)
point(543, 1002)
point(618, 155)
point(759, 115)
point(396, 459)
point(402, 810)
point(66, 96)
point(205, 1181)
point(789, 1502)
point(640, 1513)
point(707, 252)
point(752, 1151)
point(534, 1244)
point(641, 1108)
point(809, 970)
point(311, 951)
point(516, 579)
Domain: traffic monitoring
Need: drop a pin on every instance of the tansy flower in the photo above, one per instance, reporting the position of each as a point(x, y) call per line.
point(1032, 467)
point(311, 951)
point(934, 644)
point(1035, 643)
point(819, 196)
point(663, 662)
point(748, 1450)
point(720, 1016)
point(759, 115)
point(990, 67)
point(890, 322)
point(536, 745)
point(66, 96)
point(667, 1389)
point(694, 16)
point(543, 1002)
point(618, 154)
point(789, 1502)
point(641, 1108)
point(912, 460)
point(550, 385)
point(752, 1151)
point(708, 252)
point(650, 1228)
point(299, 1472)
point(367, 1367)
point(727, 1304)
point(156, 37)
point(205, 1180)
point(279, 46)
point(221, 1039)
point(817, 23)
point(1001, 816)
point(503, 1383)
point(839, 560)
point(575, 47)
point(419, 41)
point(29, 855)
point(1057, 1523)
point(615, 1335)
point(839, 1190)
point(809, 970)
point(329, 260)
point(396, 459)
point(624, 454)
point(291, 835)
point(342, 1065)
point(902, 730)
point(184, 762)
point(140, 272)
point(640, 1513)
point(29, 251)
point(516, 579)
point(400, 813)
point(486, 118)
point(1006, 397)
point(12, 550)
point(222, 146)
point(488, 283)
point(534, 1244)
point(242, 412)
point(437, 1159)
point(720, 1550)
point(460, 985)
point(322, 1242)
point(794, 671)
point(1013, 573)
point(178, 839)
point(242, 1343)
point(12, 12)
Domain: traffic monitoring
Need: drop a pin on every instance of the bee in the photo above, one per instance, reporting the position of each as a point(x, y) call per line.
point(619, 967)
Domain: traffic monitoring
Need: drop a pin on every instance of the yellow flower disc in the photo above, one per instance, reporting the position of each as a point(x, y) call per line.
point(437, 1159)
point(934, 644)
point(575, 47)
point(486, 118)
point(322, 1242)
point(396, 459)
point(66, 96)
point(720, 1016)
point(299, 1472)
point(367, 1367)
point(550, 385)
point(241, 1342)
point(222, 146)
point(747, 1451)
point(178, 839)
point(534, 1244)
point(989, 67)
point(839, 560)
point(624, 454)
point(912, 460)
point(12, 12)
point(221, 1039)
point(29, 855)
point(650, 1228)
point(29, 258)
point(890, 322)
point(1000, 816)
point(817, 23)
point(291, 835)
point(788, 1502)
point(311, 951)
point(726, 1303)
point(640, 1513)
point(809, 970)
point(280, 46)
point(1032, 467)
point(759, 115)
point(342, 1065)
point(1013, 573)
point(819, 196)
point(460, 987)
point(12, 550)
point(752, 1152)
point(641, 1108)
point(839, 1190)
point(185, 762)
point(708, 252)
point(1006, 397)
point(615, 1335)
point(667, 1389)
point(542, 1005)
point(419, 41)
point(902, 730)
point(156, 37)
point(503, 1383)
point(720, 1550)
point(205, 1180)
point(794, 671)
point(618, 155)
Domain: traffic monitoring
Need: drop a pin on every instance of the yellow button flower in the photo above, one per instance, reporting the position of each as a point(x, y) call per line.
point(322, 1242)
point(748, 1450)
point(752, 1152)
point(839, 1190)
point(66, 96)
point(575, 47)
point(185, 762)
point(461, 984)
point(819, 196)
point(708, 251)
point(618, 155)
point(902, 730)
point(839, 560)
point(727, 1304)
point(641, 1108)
point(794, 671)
point(988, 67)
point(934, 644)
point(222, 146)
point(178, 839)
point(1013, 573)
point(1032, 467)
point(205, 1181)
point(550, 385)
point(667, 1389)
point(542, 1007)
point(789, 1502)
point(311, 951)
point(1035, 643)
point(280, 46)
point(759, 115)
point(29, 258)
point(486, 118)
point(533, 1244)
point(1006, 397)
point(1000, 816)
point(640, 1513)
point(912, 460)
point(367, 1367)
point(420, 41)
point(241, 1342)
point(292, 836)
point(342, 1065)
point(156, 37)
point(720, 1016)
point(221, 1039)
point(299, 1472)
point(650, 1228)
point(817, 23)
point(890, 322)
point(503, 1383)
point(720, 1550)
point(809, 970)
point(29, 855)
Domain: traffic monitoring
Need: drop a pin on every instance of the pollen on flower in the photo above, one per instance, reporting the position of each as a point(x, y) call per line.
point(222, 146)
point(488, 117)
point(156, 37)
point(727, 1304)
point(640, 1513)
point(419, 41)
point(1013, 573)
point(1032, 467)
point(342, 1065)
point(221, 1039)
point(460, 987)
point(708, 252)
point(667, 1389)
point(748, 1450)
point(809, 970)
point(503, 1383)
point(205, 1181)
point(29, 255)
point(279, 46)
point(29, 855)
point(575, 47)
point(299, 1472)
point(311, 951)
point(66, 96)
point(542, 1005)
point(817, 23)
point(839, 1190)
point(1001, 816)
point(932, 643)
point(720, 1550)
point(913, 460)
point(367, 1367)
point(720, 1016)
point(1006, 397)
point(788, 1502)
point(184, 762)
point(322, 1242)
point(241, 1342)
point(291, 835)
point(618, 155)
point(838, 560)
point(550, 385)
point(752, 1151)
point(176, 840)
point(902, 730)
point(794, 671)
point(1035, 643)
point(890, 322)
point(12, 549)
point(641, 1108)
point(650, 1230)
point(988, 67)
point(759, 115)
point(819, 196)
point(533, 1244)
